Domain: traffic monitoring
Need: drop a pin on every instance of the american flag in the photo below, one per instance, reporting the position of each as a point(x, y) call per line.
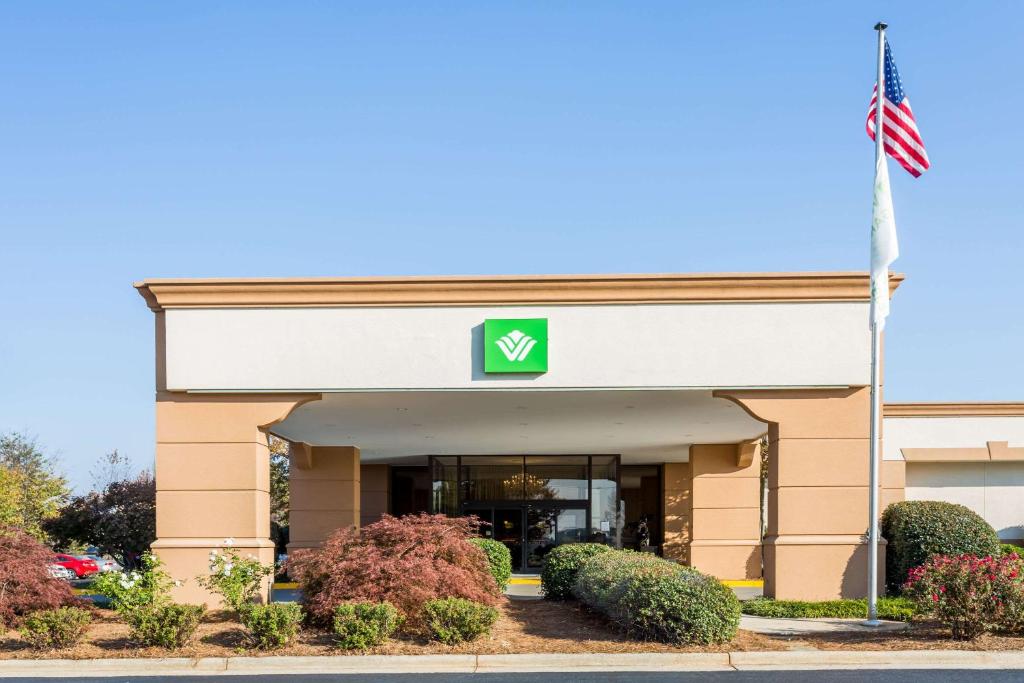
point(901, 139)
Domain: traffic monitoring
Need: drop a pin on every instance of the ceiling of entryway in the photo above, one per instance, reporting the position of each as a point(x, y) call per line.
point(643, 426)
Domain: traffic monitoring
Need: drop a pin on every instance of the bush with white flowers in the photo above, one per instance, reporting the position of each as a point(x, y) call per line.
point(237, 579)
point(136, 593)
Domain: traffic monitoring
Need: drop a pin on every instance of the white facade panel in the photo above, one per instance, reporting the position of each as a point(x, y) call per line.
point(949, 432)
point(995, 490)
point(597, 346)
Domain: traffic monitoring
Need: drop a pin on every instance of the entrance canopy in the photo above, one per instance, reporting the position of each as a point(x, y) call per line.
point(644, 426)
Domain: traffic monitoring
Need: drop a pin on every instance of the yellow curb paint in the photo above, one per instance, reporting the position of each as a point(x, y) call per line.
point(524, 582)
point(285, 586)
point(744, 583)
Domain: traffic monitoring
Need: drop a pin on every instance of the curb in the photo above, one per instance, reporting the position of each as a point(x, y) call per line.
point(524, 663)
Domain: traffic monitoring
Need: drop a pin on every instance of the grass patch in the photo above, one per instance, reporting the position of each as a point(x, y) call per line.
point(893, 609)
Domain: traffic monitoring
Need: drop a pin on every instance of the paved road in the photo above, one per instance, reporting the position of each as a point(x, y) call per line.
point(872, 676)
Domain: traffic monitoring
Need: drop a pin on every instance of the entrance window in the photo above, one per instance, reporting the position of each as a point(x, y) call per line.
point(553, 477)
point(605, 524)
point(531, 503)
point(445, 485)
point(492, 478)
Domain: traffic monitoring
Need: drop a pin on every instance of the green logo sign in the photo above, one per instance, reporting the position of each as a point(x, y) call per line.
point(516, 345)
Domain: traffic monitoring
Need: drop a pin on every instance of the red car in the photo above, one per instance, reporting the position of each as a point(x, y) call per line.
point(81, 568)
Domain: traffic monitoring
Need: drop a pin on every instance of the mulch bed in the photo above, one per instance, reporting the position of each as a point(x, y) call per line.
point(524, 627)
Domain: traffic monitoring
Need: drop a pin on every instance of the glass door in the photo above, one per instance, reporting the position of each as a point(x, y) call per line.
point(548, 526)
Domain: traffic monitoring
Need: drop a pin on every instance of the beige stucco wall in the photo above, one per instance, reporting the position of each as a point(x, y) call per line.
point(374, 493)
point(726, 512)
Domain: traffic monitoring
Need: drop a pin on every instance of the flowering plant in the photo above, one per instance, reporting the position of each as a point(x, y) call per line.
point(969, 594)
point(138, 592)
point(235, 578)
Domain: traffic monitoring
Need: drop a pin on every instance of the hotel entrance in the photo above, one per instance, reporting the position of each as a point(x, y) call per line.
point(532, 503)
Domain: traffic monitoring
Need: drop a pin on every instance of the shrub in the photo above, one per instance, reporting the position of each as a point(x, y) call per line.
point(361, 625)
point(455, 620)
point(238, 580)
point(271, 626)
point(135, 594)
point(1010, 549)
point(59, 628)
point(893, 609)
point(969, 594)
point(498, 557)
point(406, 562)
point(558, 574)
point(169, 626)
point(654, 599)
point(25, 581)
point(917, 529)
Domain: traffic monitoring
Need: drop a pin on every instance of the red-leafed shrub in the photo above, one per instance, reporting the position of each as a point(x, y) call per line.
point(970, 594)
point(406, 561)
point(26, 584)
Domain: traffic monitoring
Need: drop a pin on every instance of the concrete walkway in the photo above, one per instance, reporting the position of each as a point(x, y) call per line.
point(798, 627)
point(377, 665)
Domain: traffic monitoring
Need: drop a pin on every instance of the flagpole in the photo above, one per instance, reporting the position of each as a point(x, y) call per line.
point(876, 338)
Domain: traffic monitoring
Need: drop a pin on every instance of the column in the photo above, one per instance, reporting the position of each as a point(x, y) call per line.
point(676, 477)
point(726, 517)
point(374, 492)
point(213, 480)
point(815, 548)
point(324, 493)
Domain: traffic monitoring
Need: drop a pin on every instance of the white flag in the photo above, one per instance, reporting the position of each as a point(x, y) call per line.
point(884, 246)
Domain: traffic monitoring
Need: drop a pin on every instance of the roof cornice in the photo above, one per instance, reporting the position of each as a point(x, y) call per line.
point(507, 290)
point(991, 409)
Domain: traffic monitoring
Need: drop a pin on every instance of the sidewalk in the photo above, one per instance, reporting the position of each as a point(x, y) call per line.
point(426, 664)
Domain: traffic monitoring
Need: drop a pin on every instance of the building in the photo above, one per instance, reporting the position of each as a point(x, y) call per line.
point(556, 408)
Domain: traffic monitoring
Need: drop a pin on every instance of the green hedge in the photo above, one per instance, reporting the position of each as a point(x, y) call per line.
point(56, 629)
point(499, 557)
point(655, 599)
point(456, 620)
point(271, 626)
point(1010, 548)
point(361, 625)
point(558, 575)
point(917, 529)
point(893, 609)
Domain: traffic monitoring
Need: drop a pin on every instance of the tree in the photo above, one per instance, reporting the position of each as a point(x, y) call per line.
point(10, 496)
point(110, 468)
point(120, 520)
point(279, 498)
point(40, 490)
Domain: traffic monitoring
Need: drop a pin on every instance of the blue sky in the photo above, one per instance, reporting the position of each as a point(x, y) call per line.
point(315, 138)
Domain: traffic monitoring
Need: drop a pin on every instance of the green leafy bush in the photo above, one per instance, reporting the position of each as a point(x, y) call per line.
point(893, 609)
point(361, 625)
point(59, 628)
point(238, 580)
point(271, 626)
point(169, 626)
point(655, 599)
point(456, 620)
point(1011, 549)
point(917, 529)
point(558, 574)
point(970, 594)
point(498, 557)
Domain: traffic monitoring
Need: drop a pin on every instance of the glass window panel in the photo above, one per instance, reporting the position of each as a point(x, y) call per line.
point(445, 486)
point(492, 478)
point(605, 517)
point(547, 528)
point(556, 477)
